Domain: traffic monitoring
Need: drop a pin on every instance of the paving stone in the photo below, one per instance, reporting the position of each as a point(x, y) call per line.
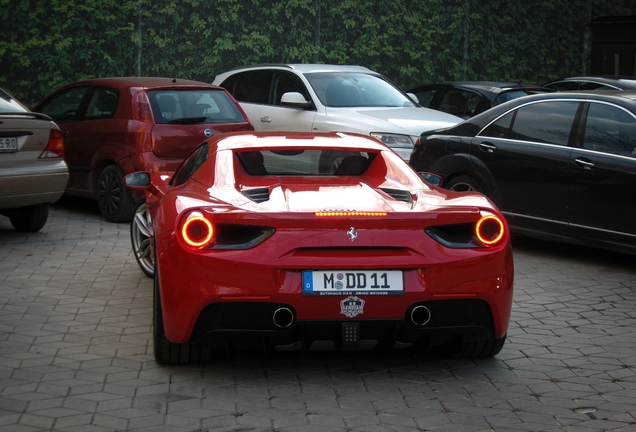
point(76, 338)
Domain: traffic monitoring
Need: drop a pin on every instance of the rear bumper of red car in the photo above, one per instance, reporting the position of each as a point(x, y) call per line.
point(471, 297)
point(252, 325)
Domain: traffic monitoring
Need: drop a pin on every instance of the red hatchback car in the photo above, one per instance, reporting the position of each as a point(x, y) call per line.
point(259, 243)
point(115, 126)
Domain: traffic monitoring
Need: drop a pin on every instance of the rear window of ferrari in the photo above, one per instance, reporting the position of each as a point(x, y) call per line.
point(193, 107)
point(305, 162)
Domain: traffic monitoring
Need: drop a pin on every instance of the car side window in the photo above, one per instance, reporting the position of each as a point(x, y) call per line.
point(253, 86)
point(425, 97)
point(545, 122)
point(595, 86)
point(229, 83)
point(64, 107)
point(456, 102)
point(475, 104)
point(610, 129)
point(190, 165)
point(102, 104)
point(500, 128)
point(285, 82)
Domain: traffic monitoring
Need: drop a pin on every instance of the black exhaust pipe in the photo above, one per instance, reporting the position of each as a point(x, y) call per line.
point(283, 317)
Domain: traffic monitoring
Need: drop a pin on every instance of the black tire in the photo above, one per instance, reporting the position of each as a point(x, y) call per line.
point(167, 352)
point(463, 183)
point(141, 237)
point(115, 202)
point(30, 219)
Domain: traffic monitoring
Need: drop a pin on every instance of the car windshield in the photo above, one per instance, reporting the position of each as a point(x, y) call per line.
point(356, 89)
point(193, 106)
point(9, 104)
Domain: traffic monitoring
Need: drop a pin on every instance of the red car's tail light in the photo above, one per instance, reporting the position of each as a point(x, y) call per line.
point(336, 213)
point(55, 147)
point(196, 231)
point(489, 230)
point(141, 108)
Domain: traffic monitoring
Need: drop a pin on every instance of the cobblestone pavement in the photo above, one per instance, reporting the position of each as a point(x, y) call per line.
point(75, 352)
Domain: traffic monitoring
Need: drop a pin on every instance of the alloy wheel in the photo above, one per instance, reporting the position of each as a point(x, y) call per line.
point(141, 236)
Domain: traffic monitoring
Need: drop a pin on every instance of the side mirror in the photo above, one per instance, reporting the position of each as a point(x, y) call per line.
point(415, 98)
point(294, 100)
point(137, 180)
point(431, 178)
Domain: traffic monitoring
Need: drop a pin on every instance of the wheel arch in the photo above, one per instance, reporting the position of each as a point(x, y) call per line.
point(456, 164)
point(99, 167)
point(105, 156)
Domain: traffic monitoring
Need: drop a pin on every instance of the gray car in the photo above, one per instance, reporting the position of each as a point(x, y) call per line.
point(33, 173)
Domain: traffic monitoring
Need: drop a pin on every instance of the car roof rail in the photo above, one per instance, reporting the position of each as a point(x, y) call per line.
point(263, 65)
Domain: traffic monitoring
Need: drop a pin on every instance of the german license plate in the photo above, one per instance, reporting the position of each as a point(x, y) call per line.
point(8, 145)
point(350, 282)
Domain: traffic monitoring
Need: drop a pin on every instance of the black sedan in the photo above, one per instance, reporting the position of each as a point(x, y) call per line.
point(560, 166)
point(468, 98)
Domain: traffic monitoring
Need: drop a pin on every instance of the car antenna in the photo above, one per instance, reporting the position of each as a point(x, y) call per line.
point(174, 80)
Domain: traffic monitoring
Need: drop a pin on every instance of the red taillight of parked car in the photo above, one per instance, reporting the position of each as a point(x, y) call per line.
point(55, 147)
point(196, 231)
point(141, 108)
point(490, 230)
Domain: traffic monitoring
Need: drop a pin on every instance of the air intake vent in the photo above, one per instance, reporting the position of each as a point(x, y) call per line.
point(399, 194)
point(257, 194)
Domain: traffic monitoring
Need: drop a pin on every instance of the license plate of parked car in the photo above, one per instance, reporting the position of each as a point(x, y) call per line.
point(344, 282)
point(8, 145)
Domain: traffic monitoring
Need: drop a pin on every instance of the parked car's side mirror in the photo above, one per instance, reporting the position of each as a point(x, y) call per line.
point(415, 98)
point(431, 178)
point(137, 180)
point(294, 100)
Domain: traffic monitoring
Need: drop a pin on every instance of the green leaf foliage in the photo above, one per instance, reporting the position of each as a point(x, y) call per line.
point(48, 44)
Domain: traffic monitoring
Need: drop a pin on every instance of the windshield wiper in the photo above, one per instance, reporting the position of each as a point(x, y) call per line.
point(187, 120)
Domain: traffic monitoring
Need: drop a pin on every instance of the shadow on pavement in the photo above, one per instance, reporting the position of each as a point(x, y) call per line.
point(564, 250)
point(86, 205)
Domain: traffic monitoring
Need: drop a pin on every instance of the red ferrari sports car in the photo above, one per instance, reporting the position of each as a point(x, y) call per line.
point(319, 242)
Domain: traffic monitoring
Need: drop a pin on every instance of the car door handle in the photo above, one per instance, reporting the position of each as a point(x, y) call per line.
point(266, 119)
point(584, 163)
point(487, 147)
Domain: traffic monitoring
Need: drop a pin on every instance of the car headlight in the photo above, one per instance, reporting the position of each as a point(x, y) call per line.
point(393, 140)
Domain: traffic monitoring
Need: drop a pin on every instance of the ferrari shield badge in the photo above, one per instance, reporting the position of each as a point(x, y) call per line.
point(352, 306)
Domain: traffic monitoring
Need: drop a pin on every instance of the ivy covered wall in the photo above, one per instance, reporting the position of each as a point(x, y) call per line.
point(48, 44)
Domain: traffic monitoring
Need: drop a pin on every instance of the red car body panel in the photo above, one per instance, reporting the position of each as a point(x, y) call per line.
point(271, 272)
